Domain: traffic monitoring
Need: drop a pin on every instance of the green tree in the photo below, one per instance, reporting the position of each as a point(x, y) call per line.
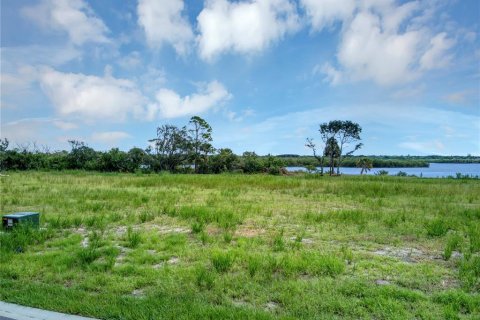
point(200, 136)
point(342, 133)
point(365, 164)
point(332, 151)
point(81, 156)
point(223, 161)
point(349, 132)
point(172, 146)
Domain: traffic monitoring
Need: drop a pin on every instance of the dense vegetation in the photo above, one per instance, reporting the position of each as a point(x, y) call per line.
point(189, 149)
point(150, 246)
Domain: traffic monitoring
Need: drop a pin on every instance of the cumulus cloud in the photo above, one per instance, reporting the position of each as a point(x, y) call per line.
point(436, 57)
point(163, 23)
point(244, 27)
point(91, 97)
point(34, 131)
point(170, 104)
point(425, 147)
point(382, 41)
point(75, 17)
point(325, 13)
point(109, 137)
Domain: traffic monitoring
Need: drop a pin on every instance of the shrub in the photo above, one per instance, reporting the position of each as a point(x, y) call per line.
point(253, 265)
point(437, 227)
point(469, 273)
point(133, 238)
point(222, 261)
point(87, 255)
point(198, 226)
point(278, 242)
point(453, 242)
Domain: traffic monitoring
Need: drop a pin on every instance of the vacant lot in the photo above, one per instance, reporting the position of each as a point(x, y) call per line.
point(126, 246)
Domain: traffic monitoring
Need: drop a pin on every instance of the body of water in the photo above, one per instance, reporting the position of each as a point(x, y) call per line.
point(436, 170)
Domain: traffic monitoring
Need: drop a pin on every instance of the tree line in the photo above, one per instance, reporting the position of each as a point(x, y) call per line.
point(175, 149)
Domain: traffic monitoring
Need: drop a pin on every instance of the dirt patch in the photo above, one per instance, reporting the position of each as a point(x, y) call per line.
point(85, 242)
point(304, 240)
point(121, 257)
point(410, 255)
point(249, 232)
point(381, 282)
point(173, 260)
point(138, 293)
point(272, 306)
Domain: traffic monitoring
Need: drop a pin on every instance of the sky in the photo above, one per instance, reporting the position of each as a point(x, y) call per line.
point(263, 73)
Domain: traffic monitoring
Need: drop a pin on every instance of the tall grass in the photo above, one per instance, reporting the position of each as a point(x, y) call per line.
point(243, 246)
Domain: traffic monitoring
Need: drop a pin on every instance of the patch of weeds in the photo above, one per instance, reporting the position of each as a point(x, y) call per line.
point(204, 237)
point(96, 221)
point(95, 239)
point(324, 264)
point(21, 237)
point(392, 221)
point(204, 278)
point(474, 237)
point(145, 217)
point(347, 254)
point(278, 243)
point(222, 261)
point(469, 273)
point(254, 263)
point(454, 242)
point(77, 221)
point(198, 226)
point(115, 217)
point(87, 255)
point(456, 302)
point(227, 237)
point(437, 227)
point(133, 238)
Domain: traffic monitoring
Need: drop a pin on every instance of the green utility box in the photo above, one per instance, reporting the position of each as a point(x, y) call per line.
point(9, 221)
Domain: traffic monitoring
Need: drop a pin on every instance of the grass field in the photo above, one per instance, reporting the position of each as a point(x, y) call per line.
point(126, 246)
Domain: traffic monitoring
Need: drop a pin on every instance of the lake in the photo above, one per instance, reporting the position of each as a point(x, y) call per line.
point(436, 170)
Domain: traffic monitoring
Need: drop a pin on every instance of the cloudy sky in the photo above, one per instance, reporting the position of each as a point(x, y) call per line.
point(263, 73)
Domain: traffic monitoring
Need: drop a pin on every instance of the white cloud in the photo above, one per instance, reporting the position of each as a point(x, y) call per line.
point(170, 104)
point(332, 75)
point(368, 51)
point(425, 147)
point(275, 134)
point(30, 131)
point(75, 17)
point(244, 27)
point(33, 55)
point(64, 125)
point(381, 41)
point(163, 23)
point(325, 13)
point(109, 137)
point(436, 57)
point(130, 61)
point(91, 97)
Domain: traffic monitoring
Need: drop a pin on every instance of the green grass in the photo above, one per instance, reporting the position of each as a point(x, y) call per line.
point(128, 246)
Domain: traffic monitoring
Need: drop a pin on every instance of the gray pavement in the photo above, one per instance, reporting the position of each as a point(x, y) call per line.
point(10, 311)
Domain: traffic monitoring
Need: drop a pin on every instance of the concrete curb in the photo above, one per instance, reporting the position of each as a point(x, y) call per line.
point(10, 311)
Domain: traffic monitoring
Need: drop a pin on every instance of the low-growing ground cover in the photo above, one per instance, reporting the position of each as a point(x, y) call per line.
point(126, 246)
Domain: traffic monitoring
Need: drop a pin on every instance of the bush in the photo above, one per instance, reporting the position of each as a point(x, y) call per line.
point(133, 238)
point(437, 228)
point(222, 261)
point(453, 242)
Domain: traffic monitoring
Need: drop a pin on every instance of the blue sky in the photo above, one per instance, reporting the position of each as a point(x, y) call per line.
point(263, 73)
